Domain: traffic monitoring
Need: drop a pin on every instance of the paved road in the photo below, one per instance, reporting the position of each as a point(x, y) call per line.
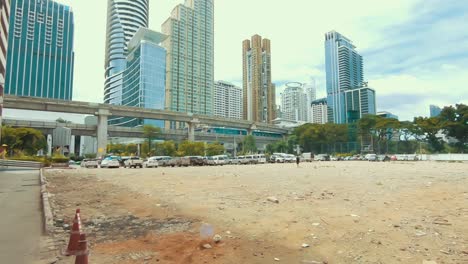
point(20, 216)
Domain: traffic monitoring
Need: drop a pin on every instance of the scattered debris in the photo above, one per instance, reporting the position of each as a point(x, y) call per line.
point(273, 199)
point(276, 259)
point(441, 221)
point(315, 224)
point(207, 246)
point(420, 234)
point(217, 238)
point(304, 245)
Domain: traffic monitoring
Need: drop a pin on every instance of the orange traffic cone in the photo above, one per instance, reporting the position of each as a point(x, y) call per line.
point(83, 252)
point(74, 235)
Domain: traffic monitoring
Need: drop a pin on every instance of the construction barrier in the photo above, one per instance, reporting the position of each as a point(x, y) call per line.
point(77, 245)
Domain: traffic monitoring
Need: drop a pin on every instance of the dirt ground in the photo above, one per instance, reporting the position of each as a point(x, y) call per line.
point(346, 212)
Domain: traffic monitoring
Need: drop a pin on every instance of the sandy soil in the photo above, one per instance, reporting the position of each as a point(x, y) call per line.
point(347, 212)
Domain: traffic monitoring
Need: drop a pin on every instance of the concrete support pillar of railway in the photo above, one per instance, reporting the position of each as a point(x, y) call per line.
point(251, 129)
point(102, 115)
point(49, 145)
point(191, 129)
point(72, 145)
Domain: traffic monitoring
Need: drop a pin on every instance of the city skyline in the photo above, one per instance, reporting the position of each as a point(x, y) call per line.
point(407, 72)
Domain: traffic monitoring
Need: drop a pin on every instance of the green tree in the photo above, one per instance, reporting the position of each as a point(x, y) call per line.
point(214, 149)
point(249, 144)
point(166, 148)
point(455, 124)
point(23, 140)
point(131, 149)
point(150, 132)
point(116, 148)
point(189, 148)
point(427, 128)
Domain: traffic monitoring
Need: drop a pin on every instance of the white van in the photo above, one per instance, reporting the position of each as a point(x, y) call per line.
point(261, 158)
point(219, 160)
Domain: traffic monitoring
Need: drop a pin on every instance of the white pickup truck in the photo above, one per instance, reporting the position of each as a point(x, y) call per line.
point(133, 162)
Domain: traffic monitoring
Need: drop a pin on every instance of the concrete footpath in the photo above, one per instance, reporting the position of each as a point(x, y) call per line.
point(20, 216)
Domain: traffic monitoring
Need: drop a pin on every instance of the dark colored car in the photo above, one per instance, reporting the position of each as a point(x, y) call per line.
point(196, 161)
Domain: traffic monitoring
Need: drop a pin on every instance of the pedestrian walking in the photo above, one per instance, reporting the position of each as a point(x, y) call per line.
point(297, 161)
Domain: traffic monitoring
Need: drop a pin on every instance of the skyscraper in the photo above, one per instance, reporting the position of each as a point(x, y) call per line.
point(190, 58)
point(259, 92)
point(124, 18)
point(319, 111)
point(144, 79)
point(344, 71)
point(434, 111)
point(311, 93)
point(4, 21)
point(358, 102)
point(40, 50)
point(227, 100)
point(294, 102)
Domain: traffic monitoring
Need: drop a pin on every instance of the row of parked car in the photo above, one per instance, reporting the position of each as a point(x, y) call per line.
point(167, 161)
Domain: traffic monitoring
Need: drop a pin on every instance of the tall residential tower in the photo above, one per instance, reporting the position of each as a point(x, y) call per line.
point(227, 100)
point(344, 71)
point(294, 102)
point(124, 18)
point(190, 58)
point(40, 50)
point(259, 92)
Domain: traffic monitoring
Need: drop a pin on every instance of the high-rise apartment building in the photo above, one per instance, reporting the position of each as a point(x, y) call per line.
point(227, 100)
point(319, 111)
point(259, 92)
point(344, 71)
point(190, 58)
point(40, 50)
point(4, 22)
point(434, 111)
point(311, 93)
point(294, 102)
point(144, 79)
point(124, 18)
point(359, 102)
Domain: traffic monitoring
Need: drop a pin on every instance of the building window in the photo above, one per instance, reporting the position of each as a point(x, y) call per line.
point(40, 18)
point(18, 22)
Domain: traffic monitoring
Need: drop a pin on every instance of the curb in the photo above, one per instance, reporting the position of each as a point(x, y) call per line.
point(48, 218)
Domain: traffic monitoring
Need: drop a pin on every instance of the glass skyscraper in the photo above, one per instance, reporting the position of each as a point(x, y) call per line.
point(434, 111)
point(358, 102)
point(40, 50)
point(344, 71)
point(144, 79)
point(190, 58)
point(124, 18)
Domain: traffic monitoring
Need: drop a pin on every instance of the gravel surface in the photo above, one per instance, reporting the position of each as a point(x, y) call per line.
point(345, 212)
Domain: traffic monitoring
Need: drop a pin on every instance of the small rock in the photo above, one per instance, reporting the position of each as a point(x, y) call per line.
point(429, 262)
point(316, 224)
point(276, 259)
point(420, 233)
point(273, 199)
point(207, 246)
point(228, 232)
point(304, 245)
point(148, 257)
point(217, 238)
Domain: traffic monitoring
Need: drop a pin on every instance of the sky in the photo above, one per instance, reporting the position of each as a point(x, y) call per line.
point(415, 51)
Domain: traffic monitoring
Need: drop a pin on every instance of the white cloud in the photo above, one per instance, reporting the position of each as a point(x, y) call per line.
point(409, 95)
point(296, 29)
